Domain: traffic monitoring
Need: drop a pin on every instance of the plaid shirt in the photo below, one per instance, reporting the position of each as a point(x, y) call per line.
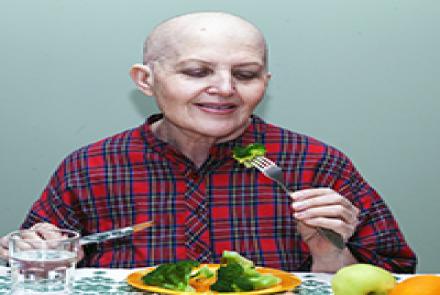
point(133, 177)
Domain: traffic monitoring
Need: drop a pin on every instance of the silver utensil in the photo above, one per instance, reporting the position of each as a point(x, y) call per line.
point(114, 234)
point(274, 172)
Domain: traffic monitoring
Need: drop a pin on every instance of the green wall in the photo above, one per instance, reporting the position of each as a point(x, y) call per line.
point(360, 75)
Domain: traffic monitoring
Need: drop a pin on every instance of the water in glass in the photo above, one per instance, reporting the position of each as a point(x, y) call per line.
point(46, 267)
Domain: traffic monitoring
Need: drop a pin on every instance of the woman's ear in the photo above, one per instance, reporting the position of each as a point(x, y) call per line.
point(142, 76)
point(267, 78)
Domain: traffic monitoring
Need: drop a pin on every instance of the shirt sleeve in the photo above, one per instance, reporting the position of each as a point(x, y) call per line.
point(57, 204)
point(378, 239)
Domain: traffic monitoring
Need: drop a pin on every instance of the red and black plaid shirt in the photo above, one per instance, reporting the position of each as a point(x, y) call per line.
point(133, 177)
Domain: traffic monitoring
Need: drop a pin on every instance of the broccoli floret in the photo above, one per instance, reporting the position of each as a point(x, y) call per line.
point(234, 257)
point(246, 154)
point(174, 276)
point(222, 286)
point(226, 276)
point(203, 273)
point(264, 281)
point(239, 274)
point(243, 284)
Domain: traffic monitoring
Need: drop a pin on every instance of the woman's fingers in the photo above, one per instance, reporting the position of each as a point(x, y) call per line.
point(4, 247)
point(29, 234)
point(324, 198)
point(310, 193)
point(47, 231)
point(330, 211)
point(323, 207)
point(343, 228)
point(80, 254)
point(330, 198)
point(34, 238)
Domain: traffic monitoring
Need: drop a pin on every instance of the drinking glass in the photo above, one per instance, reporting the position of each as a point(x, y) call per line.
point(42, 266)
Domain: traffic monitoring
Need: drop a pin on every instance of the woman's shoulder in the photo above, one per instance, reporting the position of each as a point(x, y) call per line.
point(110, 149)
point(119, 142)
point(289, 140)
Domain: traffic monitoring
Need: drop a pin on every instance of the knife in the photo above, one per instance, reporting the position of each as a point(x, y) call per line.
point(114, 234)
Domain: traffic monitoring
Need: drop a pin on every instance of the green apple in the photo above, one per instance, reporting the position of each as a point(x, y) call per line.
point(362, 279)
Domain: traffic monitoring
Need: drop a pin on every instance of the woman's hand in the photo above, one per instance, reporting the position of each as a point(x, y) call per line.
point(323, 207)
point(4, 247)
point(39, 231)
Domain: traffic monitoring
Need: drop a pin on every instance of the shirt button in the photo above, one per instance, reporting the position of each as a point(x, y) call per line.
point(193, 175)
point(198, 249)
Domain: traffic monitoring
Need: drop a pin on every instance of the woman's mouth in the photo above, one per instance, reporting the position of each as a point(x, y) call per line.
point(217, 108)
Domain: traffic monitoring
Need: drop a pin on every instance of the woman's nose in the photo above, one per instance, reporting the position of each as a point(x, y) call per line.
point(222, 85)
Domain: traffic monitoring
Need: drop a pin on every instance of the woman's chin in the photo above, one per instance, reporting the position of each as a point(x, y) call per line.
point(222, 133)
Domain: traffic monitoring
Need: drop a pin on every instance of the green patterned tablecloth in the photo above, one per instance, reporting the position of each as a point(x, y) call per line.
point(92, 281)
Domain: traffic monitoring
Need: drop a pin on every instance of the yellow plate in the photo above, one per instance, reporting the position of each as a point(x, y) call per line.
point(288, 282)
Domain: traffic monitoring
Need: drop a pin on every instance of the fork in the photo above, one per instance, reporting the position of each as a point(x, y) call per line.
point(274, 172)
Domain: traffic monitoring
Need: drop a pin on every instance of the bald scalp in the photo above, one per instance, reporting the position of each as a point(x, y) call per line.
point(165, 38)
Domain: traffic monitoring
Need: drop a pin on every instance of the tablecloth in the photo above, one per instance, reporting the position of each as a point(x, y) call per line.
point(99, 281)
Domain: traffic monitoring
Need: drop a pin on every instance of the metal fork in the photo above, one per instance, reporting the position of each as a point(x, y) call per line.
point(274, 172)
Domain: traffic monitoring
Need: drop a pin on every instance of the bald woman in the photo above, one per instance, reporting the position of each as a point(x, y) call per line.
point(207, 73)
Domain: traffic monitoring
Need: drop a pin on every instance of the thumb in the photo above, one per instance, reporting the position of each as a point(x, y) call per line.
point(80, 254)
point(307, 232)
point(4, 247)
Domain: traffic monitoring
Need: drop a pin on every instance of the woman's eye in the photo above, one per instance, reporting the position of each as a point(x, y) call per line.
point(197, 73)
point(245, 75)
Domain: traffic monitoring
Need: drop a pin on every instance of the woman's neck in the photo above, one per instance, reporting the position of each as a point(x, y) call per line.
point(194, 147)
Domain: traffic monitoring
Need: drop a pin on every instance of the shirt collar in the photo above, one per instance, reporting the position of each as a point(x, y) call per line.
point(222, 151)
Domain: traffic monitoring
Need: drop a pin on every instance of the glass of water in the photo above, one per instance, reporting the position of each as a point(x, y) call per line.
point(42, 266)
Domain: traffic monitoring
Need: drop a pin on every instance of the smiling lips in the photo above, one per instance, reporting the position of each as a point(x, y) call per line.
point(217, 108)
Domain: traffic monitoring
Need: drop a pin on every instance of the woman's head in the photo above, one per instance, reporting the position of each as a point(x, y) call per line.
point(207, 71)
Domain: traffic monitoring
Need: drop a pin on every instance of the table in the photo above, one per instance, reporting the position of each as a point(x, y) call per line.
point(99, 281)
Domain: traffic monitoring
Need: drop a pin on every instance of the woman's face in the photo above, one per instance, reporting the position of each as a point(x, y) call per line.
point(211, 83)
